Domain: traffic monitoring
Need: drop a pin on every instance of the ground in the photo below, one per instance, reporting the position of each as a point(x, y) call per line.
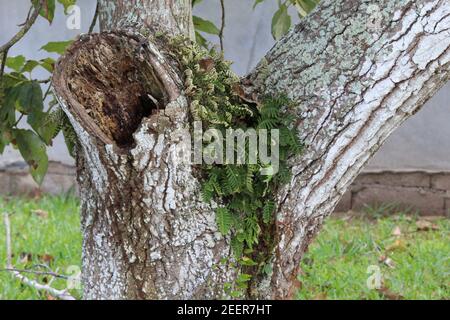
point(412, 254)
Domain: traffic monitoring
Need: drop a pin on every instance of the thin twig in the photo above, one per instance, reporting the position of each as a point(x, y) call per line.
point(38, 273)
point(22, 32)
point(222, 27)
point(47, 92)
point(61, 294)
point(94, 20)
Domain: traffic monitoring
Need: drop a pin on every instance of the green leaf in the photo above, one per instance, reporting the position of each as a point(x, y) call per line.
point(281, 22)
point(243, 277)
point(67, 4)
point(246, 261)
point(205, 26)
point(57, 46)
point(26, 97)
point(201, 40)
point(257, 2)
point(237, 246)
point(224, 220)
point(48, 64)
point(42, 124)
point(15, 63)
point(268, 211)
point(47, 10)
point(32, 149)
point(30, 65)
point(196, 2)
point(305, 6)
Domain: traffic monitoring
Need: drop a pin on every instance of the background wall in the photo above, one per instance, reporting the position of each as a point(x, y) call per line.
point(421, 144)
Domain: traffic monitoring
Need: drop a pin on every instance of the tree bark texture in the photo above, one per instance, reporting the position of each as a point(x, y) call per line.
point(355, 73)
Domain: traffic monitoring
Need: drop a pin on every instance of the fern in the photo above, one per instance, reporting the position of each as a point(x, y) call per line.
point(268, 211)
point(245, 195)
point(224, 220)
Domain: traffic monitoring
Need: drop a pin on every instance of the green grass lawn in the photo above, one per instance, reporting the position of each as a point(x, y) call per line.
point(411, 255)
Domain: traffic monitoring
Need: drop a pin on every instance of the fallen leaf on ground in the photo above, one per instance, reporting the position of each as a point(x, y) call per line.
point(320, 296)
point(388, 294)
point(25, 257)
point(424, 225)
point(387, 261)
point(40, 213)
point(397, 231)
point(47, 258)
point(397, 245)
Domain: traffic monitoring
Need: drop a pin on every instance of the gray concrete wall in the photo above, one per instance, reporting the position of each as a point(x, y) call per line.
point(421, 144)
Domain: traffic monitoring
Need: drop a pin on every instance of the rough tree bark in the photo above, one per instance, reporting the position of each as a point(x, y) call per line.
point(355, 75)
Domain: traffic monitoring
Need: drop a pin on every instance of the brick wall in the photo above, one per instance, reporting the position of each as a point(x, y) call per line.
point(426, 193)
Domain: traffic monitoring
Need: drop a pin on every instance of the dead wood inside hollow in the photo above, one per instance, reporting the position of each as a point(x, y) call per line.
point(108, 87)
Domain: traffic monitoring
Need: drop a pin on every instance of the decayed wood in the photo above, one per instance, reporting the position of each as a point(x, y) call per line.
point(354, 73)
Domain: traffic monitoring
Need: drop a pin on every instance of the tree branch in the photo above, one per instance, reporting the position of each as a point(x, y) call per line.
point(95, 18)
point(222, 27)
point(26, 27)
point(356, 71)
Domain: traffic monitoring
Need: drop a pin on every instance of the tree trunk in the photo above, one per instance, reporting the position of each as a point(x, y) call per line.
point(355, 74)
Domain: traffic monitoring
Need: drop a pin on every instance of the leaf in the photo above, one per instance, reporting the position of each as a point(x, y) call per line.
point(388, 294)
point(424, 225)
point(201, 40)
point(15, 63)
point(243, 277)
point(40, 123)
point(398, 244)
point(40, 213)
point(268, 211)
point(25, 257)
point(305, 6)
point(57, 46)
point(387, 261)
point(33, 150)
point(281, 22)
point(257, 2)
point(67, 4)
point(47, 10)
point(26, 97)
point(397, 232)
point(47, 258)
point(246, 261)
point(205, 26)
point(237, 246)
point(48, 64)
point(30, 65)
point(224, 220)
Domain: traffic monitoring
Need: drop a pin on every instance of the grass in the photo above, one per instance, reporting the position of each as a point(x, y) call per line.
point(50, 236)
point(414, 264)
